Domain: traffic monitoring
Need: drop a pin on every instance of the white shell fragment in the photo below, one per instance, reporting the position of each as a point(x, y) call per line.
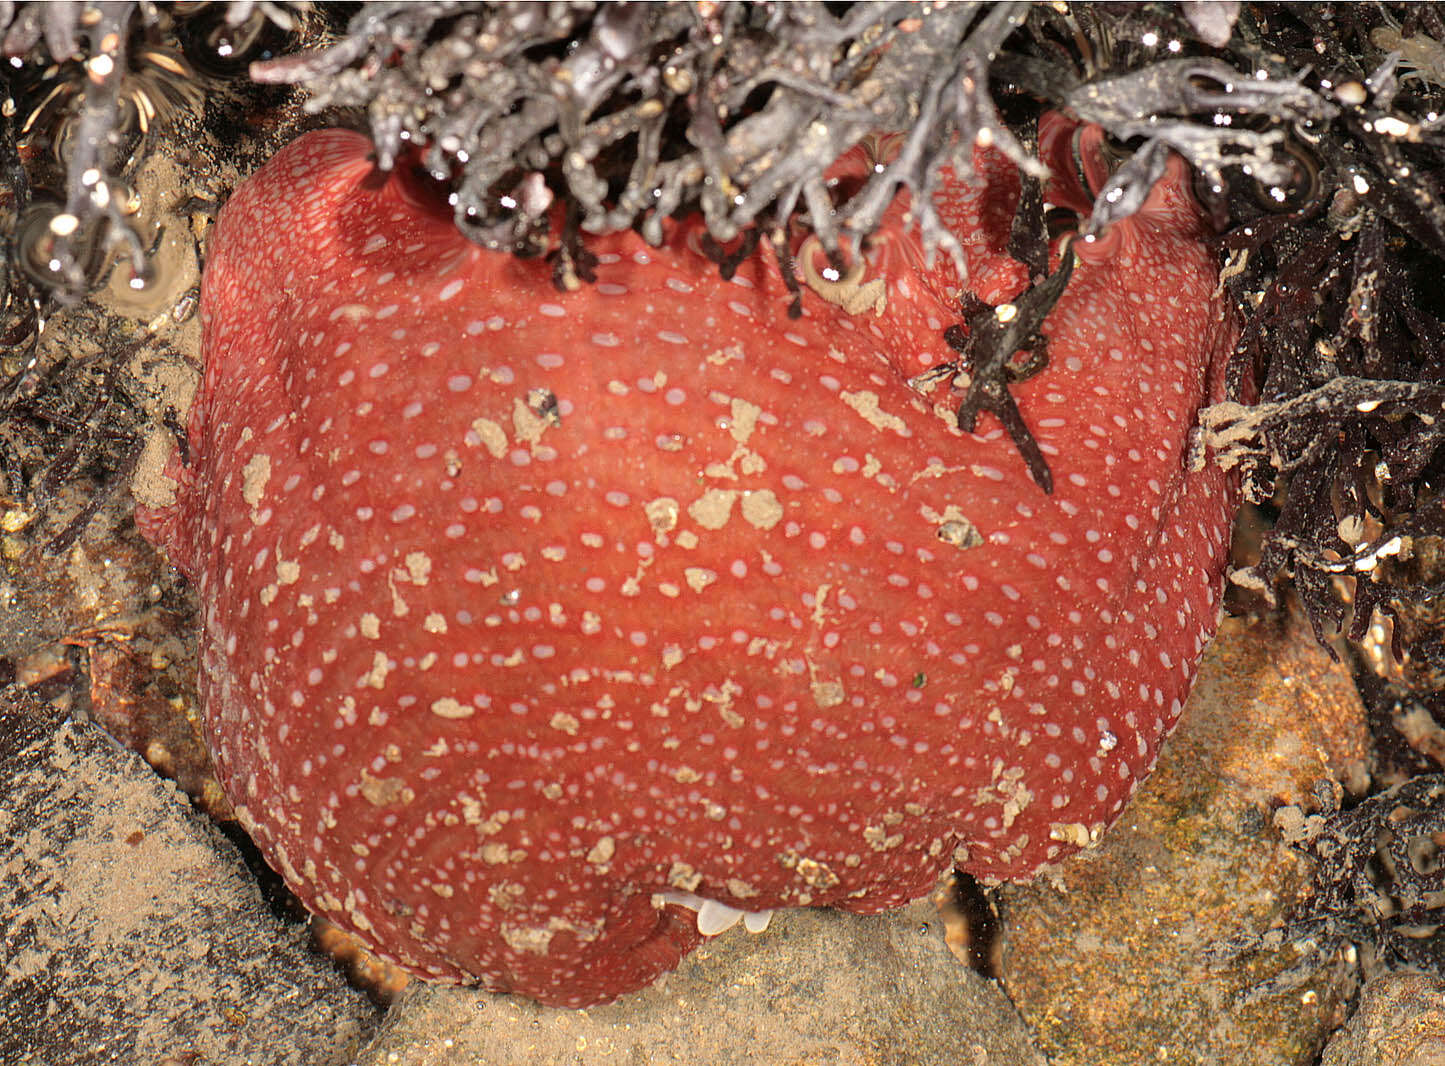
point(714, 917)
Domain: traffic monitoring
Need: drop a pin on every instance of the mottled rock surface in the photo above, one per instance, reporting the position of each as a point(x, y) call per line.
point(817, 987)
point(130, 930)
point(1400, 1022)
point(1106, 959)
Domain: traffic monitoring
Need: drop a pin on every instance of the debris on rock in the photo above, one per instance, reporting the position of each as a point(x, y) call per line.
point(131, 929)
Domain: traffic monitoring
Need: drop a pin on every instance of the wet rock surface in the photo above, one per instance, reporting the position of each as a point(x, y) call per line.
point(1116, 958)
point(816, 987)
point(131, 930)
point(1400, 1022)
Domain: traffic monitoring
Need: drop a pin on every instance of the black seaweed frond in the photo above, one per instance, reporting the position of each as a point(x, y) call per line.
point(1379, 873)
point(637, 112)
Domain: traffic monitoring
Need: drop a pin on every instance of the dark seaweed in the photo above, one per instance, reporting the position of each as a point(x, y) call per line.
point(635, 113)
point(1378, 877)
point(1378, 881)
point(987, 347)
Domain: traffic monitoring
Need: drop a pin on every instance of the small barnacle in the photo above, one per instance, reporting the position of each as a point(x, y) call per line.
point(219, 45)
point(543, 404)
point(155, 86)
point(86, 113)
point(960, 534)
point(1304, 189)
point(38, 236)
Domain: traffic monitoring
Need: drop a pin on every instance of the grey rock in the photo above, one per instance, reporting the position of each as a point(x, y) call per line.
point(1400, 1022)
point(818, 987)
point(130, 930)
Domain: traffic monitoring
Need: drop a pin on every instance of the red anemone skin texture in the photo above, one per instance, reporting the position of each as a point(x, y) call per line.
point(522, 607)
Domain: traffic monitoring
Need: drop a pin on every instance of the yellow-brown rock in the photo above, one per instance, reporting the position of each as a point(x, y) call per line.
point(1108, 959)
